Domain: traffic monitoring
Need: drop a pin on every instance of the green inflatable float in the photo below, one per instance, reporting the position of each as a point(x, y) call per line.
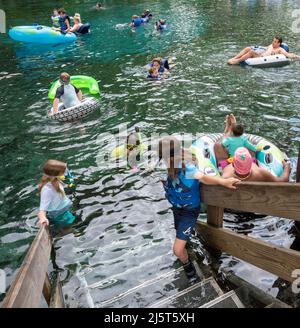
point(87, 85)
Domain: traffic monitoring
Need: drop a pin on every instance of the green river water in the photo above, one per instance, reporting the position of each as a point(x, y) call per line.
point(127, 230)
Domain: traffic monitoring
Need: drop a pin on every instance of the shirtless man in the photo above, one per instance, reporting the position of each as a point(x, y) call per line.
point(254, 52)
point(244, 169)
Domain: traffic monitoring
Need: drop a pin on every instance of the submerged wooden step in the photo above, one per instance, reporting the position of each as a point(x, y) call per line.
point(166, 285)
point(193, 296)
point(228, 300)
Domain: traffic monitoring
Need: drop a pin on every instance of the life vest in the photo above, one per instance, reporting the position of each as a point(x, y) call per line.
point(183, 192)
point(62, 24)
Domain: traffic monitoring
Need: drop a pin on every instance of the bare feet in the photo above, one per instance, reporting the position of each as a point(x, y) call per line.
point(232, 119)
point(228, 123)
point(231, 122)
point(233, 61)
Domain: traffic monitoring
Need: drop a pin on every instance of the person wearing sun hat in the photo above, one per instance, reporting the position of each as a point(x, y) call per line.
point(244, 169)
point(242, 163)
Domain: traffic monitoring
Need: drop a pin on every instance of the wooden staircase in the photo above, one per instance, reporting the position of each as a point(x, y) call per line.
point(175, 291)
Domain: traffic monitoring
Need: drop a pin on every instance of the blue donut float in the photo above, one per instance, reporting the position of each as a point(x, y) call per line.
point(40, 35)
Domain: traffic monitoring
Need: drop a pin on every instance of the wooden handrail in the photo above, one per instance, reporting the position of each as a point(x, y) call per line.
point(277, 260)
point(26, 290)
point(32, 279)
point(277, 199)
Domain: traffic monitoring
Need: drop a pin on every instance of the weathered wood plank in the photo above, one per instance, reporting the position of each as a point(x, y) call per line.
point(215, 216)
point(277, 260)
point(57, 299)
point(277, 199)
point(26, 290)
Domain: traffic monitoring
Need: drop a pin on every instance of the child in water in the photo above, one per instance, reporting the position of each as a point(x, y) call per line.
point(54, 204)
point(161, 64)
point(131, 150)
point(183, 192)
point(161, 25)
point(153, 73)
point(146, 16)
point(159, 68)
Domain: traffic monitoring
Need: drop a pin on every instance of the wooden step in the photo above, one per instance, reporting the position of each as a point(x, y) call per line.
point(142, 295)
point(193, 296)
point(228, 300)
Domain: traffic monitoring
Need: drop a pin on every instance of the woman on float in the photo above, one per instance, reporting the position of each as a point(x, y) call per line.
point(77, 23)
point(244, 169)
point(182, 191)
point(54, 204)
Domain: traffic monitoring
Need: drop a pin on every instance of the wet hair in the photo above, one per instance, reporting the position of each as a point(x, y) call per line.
point(52, 170)
point(61, 11)
point(278, 38)
point(170, 150)
point(237, 130)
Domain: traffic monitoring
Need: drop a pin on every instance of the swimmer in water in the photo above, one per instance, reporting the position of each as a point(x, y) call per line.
point(136, 21)
point(153, 73)
point(161, 25)
point(98, 6)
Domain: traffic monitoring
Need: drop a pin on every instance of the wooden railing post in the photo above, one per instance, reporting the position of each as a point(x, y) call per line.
point(215, 216)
